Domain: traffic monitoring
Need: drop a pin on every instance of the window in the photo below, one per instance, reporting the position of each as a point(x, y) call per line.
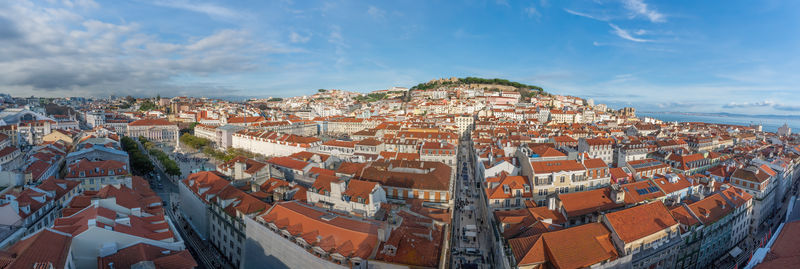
point(563, 178)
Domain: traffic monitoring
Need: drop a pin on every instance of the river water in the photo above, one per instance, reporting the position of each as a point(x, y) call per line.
point(769, 124)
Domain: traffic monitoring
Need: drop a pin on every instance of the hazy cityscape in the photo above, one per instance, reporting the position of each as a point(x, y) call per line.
point(351, 134)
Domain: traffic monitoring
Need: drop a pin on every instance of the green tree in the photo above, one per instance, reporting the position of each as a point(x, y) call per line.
point(147, 105)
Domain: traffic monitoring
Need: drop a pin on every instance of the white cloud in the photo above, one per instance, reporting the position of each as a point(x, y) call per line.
point(295, 37)
point(624, 34)
point(376, 12)
point(340, 46)
point(639, 9)
point(532, 12)
point(211, 10)
point(585, 15)
point(544, 3)
point(764, 103)
point(57, 52)
point(464, 34)
point(80, 3)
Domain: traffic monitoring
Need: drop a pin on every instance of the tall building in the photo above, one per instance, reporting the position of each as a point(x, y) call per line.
point(784, 130)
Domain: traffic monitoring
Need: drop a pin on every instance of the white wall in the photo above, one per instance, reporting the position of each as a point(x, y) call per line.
point(194, 210)
point(86, 246)
point(267, 249)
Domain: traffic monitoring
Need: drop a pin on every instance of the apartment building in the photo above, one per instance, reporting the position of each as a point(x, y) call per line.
point(227, 211)
point(602, 148)
point(549, 177)
point(439, 152)
point(648, 232)
point(428, 181)
point(357, 197)
point(94, 175)
point(647, 168)
point(160, 130)
point(35, 208)
point(272, 143)
point(711, 227)
point(760, 182)
point(507, 192)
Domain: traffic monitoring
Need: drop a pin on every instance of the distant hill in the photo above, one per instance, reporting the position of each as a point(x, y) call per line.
point(486, 83)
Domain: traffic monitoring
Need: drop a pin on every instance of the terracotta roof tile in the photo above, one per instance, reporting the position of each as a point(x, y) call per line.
point(46, 246)
point(637, 222)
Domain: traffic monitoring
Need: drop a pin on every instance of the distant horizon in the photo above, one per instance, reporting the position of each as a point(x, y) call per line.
point(245, 98)
point(666, 56)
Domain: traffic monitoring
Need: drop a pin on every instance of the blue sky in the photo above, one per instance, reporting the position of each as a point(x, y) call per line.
point(705, 56)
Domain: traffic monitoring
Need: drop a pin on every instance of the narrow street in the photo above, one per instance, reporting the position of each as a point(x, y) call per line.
point(751, 243)
point(167, 188)
point(472, 240)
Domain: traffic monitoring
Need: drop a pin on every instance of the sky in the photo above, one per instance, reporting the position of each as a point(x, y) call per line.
point(691, 56)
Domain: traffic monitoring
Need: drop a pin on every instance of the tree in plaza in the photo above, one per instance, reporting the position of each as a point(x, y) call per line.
point(172, 169)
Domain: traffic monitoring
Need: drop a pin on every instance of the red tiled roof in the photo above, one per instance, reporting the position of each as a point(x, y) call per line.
point(682, 215)
point(288, 162)
point(349, 168)
point(511, 182)
point(338, 234)
point(784, 252)
point(413, 246)
point(150, 122)
point(617, 172)
point(544, 167)
point(210, 181)
point(44, 247)
point(359, 189)
point(736, 195)
point(254, 119)
point(251, 166)
point(389, 155)
point(96, 169)
point(161, 257)
point(341, 144)
point(595, 163)
point(585, 202)
point(7, 150)
point(547, 151)
point(711, 208)
point(576, 247)
point(409, 174)
point(637, 222)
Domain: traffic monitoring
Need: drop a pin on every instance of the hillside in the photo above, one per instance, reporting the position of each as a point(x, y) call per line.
point(485, 83)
